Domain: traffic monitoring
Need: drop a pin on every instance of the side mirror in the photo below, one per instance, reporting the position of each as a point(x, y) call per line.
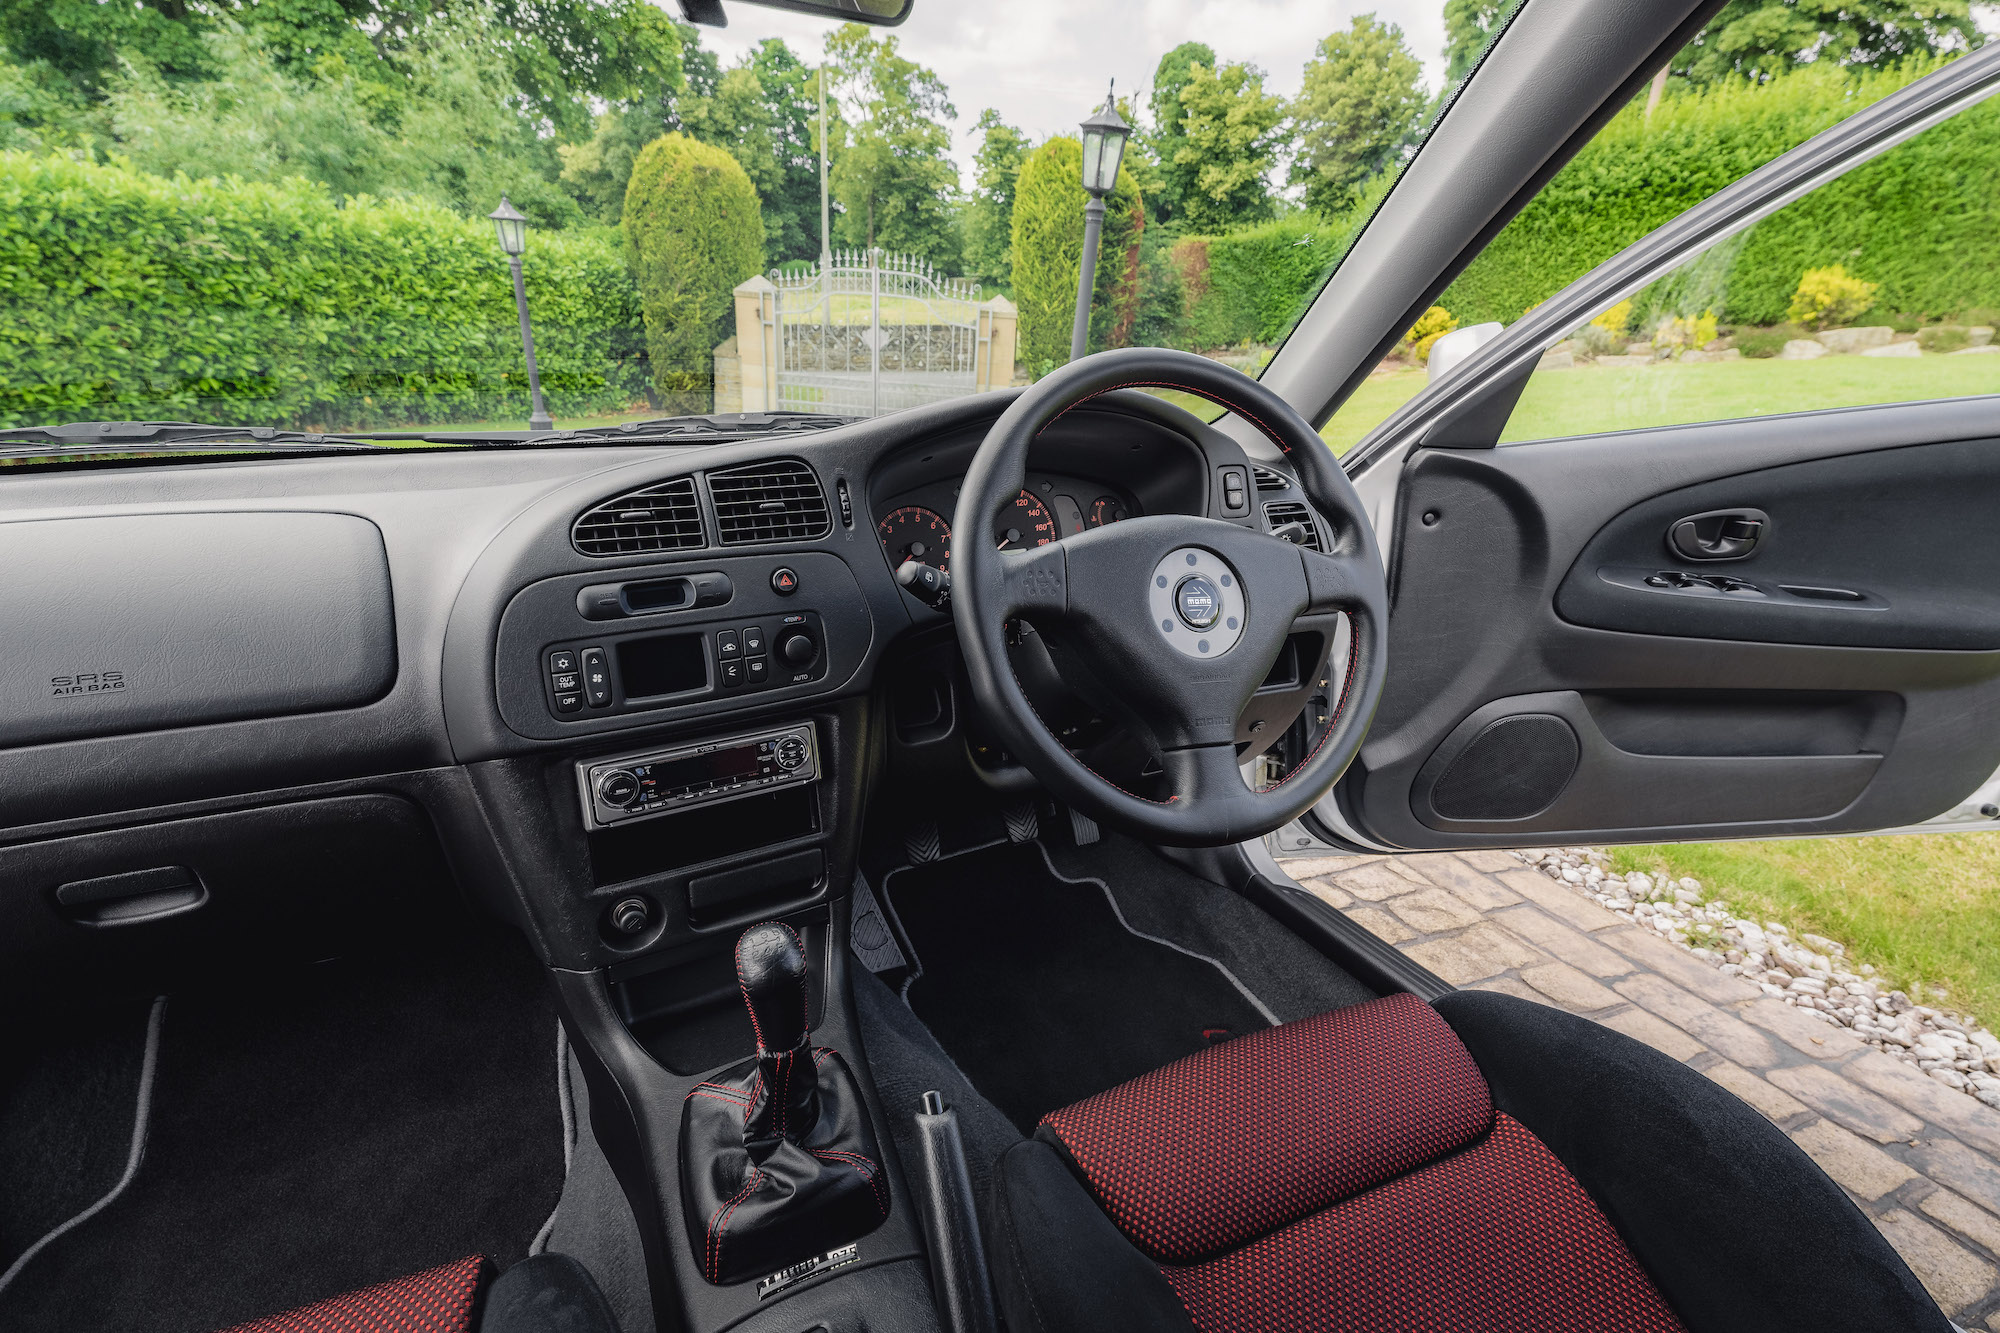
point(887, 13)
point(1454, 347)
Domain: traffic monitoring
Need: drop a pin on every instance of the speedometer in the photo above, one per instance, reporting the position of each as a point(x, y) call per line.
point(1024, 523)
point(915, 533)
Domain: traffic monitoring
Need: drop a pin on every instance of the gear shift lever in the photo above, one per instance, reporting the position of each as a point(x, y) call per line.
point(771, 970)
point(778, 1159)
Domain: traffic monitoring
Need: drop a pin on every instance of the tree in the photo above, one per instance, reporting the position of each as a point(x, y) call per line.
point(890, 172)
point(692, 233)
point(1361, 104)
point(989, 214)
point(1170, 77)
point(560, 56)
point(1229, 131)
point(1758, 39)
point(764, 113)
point(1048, 255)
point(597, 170)
point(1468, 26)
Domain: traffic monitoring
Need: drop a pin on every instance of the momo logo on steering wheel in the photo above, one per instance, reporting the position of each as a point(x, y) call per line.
point(1197, 601)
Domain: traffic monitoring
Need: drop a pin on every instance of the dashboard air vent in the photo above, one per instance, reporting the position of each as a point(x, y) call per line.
point(1270, 479)
point(1277, 513)
point(768, 502)
point(663, 517)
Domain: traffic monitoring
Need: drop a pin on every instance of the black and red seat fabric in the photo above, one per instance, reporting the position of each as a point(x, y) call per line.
point(549, 1293)
point(1481, 1165)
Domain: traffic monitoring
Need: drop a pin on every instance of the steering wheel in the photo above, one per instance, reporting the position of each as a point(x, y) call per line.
point(1183, 616)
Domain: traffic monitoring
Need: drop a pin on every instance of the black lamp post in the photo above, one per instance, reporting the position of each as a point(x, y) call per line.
point(1104, 137)
point(512, 229)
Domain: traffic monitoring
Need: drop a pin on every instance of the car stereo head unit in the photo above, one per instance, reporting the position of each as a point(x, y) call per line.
point(638, 786)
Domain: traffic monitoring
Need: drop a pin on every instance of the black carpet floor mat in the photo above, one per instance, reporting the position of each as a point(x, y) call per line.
point(68, 1093)
point(342, 1125)
point(1039, 993)
point(1157, 897)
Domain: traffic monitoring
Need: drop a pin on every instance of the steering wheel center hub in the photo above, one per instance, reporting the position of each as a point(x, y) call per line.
point(1197, 602)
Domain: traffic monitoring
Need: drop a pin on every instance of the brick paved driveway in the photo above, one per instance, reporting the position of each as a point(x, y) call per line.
point(1920, 1159)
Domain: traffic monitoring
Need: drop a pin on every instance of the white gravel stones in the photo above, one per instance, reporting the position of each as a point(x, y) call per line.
point(1810, 972)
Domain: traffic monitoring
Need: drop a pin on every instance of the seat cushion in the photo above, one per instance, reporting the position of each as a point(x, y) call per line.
point(1591, 1183)
point(546, 1293)
point(1496, 1238)
point(1231, 1143)
point(444, 1299)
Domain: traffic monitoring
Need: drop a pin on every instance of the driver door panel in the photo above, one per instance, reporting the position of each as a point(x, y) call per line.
point(1540, 691)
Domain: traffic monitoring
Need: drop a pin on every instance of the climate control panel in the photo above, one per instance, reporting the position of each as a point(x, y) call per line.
point(608, 674)
point(617, 791)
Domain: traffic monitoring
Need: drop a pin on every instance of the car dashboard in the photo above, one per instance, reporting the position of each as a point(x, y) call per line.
point(626, 699)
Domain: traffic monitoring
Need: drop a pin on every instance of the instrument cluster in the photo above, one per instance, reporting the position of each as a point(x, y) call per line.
point(917, 525)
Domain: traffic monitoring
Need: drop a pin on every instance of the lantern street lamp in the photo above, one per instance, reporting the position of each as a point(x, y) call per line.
point(512, 230)
point(1104, 137)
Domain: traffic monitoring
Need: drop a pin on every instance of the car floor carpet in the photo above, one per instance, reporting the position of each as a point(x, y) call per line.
point(1157, 897)
point(68, 1095)
point(318, 1131)
point(1038, 991)
point(905, 1061)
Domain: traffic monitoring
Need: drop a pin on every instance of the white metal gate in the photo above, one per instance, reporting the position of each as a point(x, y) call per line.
point(874, 333)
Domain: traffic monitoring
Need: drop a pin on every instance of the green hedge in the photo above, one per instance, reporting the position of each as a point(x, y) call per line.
point(1048, 256)
point(130, 296)
point(1919, 221)
point(693, 231)
point(1252, 285)
point(1922, 222)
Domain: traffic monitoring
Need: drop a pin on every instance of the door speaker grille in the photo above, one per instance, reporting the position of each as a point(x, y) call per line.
point(1516, 767)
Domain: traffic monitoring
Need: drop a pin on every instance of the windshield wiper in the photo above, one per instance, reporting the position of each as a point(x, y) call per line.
point(134, 437)
point(710, 429)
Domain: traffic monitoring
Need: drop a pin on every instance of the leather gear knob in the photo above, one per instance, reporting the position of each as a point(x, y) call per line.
point(771, 970)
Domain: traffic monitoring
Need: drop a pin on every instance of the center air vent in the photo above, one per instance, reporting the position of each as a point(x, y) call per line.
point(768, 502)
point(1270, 479)
point(665, 517)
point(1277, 513)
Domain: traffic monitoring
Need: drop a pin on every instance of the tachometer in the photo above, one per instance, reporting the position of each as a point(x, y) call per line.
point(1107, 509)
point(1027, 522)
point(916, 533)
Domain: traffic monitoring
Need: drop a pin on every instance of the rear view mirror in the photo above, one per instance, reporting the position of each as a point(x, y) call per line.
point(888, 13)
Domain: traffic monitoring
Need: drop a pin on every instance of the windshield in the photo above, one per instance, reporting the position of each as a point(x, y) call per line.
point(478, 216)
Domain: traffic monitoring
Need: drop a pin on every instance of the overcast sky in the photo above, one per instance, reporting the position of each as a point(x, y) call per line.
point(1045, 63)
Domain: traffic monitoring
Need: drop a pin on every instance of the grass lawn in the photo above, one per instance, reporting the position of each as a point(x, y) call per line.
point(562, 423)
point(1590, 400)
point(1920, 908)
point(1378, 396)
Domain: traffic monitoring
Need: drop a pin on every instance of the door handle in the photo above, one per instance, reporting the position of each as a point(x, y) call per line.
point(1719, 534)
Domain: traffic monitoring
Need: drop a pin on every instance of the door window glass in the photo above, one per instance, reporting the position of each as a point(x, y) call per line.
point(1697, 129)
point(1882, 286)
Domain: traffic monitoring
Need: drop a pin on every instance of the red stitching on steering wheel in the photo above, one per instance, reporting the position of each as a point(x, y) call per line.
point(1208, 394)
point(1353, 658)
